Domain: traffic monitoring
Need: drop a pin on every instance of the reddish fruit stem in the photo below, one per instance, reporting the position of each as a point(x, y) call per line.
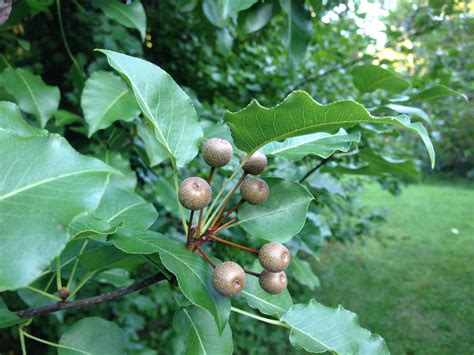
point(252, 273)
point(232, 210)
point(211, 174)
point(217, 239)
point(228, 199)
point(209, 179)
point(224, 226)
point(203, 253)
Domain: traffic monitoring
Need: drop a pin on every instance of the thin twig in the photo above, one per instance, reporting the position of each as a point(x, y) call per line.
point(229, 212)
point(227, 200)
point(308, 174)
point(203, 253)
point(220, 240)
point(224, 226)
point(250, 272)
point(60, 306)
point(56, 345)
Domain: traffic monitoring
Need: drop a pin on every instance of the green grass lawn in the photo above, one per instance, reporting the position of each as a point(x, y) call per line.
point(415, 286)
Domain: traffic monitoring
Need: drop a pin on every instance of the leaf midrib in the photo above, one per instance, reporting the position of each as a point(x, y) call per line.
point(106, 111)
point(45, 181)
point(196, 331)
point(30, 91)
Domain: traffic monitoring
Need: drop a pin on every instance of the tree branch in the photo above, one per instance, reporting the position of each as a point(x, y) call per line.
point(308, 174)
point(60, 306)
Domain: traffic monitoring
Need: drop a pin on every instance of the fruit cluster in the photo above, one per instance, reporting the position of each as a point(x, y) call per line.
point(195, 194)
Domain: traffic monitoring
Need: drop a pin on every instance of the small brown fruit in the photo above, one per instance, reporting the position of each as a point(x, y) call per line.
point(273, 283)
point(274, 257)
point(194, 193)
point(254, 190)
point(256, 164)
point(228, 278)
point(217, 152)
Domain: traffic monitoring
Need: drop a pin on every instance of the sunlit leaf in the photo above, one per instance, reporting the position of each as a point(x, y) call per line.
point(317, 328)
point(370, 77)
point(166, 106)
point(299, 114)
point(31, 93)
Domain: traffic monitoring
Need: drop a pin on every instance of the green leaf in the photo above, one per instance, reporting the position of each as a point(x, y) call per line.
point(200, 332)
point(302, 273)
point(109, 257)
point(409, 110)
point(217, 11)
point(131, 15)
point(320, 144)
point(281, 216)
point(63, 117)
point(257, 298)
point(128, 179)
point(145, 242)
point(436, 92)
point(378, 165)
point(299, 114)
point(255, 18)
point(11, 121)
point(155, 151)
point(370, 77)
point(48, 184)
point(120, 207)
point(115, 277)
point(194, 276)
point(299, 32)
point(317, 328)
point(95, 336)
point(106, 99)
point(166, 196)
point(31, 93)
point(166, 106)
point(7, 318)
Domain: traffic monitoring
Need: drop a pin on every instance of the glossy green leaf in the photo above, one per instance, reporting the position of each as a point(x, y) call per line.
point(131, 15)
point(194, 276)
point(281, 216)
point(317, 328)
point(167, 107)
point(217, 11)
point(255, 18)
point(320, 144)
point(47, 183)
point(378, 165)
point(128, 179)
point(125, 208)
point(370, 77)
point(436, 92)
point(166, 196)
point(145, 242)
point(302, 273)
point(257, 298)
point(299, 114)
point(63, 117)
point(31, 93)
point(7, 318)
point(300, 30)
point(109, 257)
point(201, 334)
point(95, 336)
point(106, 99)
point(410, 110)
point(11, 121)
point(155, 151)
point(115, 277)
